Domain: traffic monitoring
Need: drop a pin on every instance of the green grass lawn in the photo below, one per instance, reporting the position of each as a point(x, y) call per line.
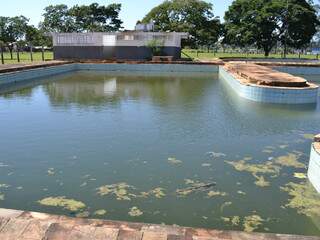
point(25, 57)
point(205, 55)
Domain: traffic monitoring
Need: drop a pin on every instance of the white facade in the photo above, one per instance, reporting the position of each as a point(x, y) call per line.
point(170, 39)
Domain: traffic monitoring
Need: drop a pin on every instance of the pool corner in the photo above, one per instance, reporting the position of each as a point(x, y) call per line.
point(314, 164)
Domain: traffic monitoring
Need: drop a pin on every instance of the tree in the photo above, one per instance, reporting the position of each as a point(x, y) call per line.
point(12, 30)
point(57, 19)
point(37, 37)
point(263, 23)
point(300, 24)
point(83, 18)
point(193, 16)
point(95, 18)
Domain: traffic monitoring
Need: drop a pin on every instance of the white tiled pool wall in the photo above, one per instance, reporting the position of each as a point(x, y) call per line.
point(254, 93)
point(150, 67)
point(269, 94)
point(314, 169)
point(30, 74)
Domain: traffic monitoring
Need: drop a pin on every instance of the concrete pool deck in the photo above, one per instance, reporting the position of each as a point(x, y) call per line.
point(24, 225)
point(255, 74)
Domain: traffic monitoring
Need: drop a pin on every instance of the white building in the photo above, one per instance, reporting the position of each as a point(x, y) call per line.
point(118, 45)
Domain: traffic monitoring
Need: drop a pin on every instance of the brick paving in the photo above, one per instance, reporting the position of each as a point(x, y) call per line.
point(23, 225)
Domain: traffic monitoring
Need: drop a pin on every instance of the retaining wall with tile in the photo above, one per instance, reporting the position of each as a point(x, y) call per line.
point(30, 74)
point(248, 91)
point(266, 94)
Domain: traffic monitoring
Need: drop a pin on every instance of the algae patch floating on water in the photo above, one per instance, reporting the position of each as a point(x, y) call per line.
point(120, 190)
point(84, 214)
point(290, 160)
point(251, 223)
point(1, 197)
point(254, 169)
point(261, 182)
point(304, 198)
point(216, 194)
point(100, 212)
point(69, 204)
point(235, 220)
point(135, 212)
point(157, 192)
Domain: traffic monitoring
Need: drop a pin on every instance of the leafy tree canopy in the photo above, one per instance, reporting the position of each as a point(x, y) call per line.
point(82, 18)
point(37, 37)
point(193, 16)
point(265, 22)
point(13, 29)
point(57, 19)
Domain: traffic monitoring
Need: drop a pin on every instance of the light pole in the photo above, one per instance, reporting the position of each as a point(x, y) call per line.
point(286, 30)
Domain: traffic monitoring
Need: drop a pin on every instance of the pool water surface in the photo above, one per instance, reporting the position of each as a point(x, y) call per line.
point(160, 148)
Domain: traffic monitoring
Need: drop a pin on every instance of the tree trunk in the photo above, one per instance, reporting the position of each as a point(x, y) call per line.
point(2, 59)
point(31, 55)
point(18, 54)
point(11, 54)
point(42, 53)
point(266, 51)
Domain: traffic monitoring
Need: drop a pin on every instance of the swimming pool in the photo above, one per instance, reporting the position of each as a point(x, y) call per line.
point(174, 148)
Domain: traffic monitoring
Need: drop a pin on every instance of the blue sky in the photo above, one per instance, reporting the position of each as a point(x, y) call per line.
point(132, 10)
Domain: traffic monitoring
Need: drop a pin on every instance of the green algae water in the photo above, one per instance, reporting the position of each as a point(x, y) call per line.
point(167, 148)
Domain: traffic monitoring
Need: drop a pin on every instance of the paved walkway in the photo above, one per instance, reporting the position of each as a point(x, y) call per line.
point(23, 66)
point(22, 225)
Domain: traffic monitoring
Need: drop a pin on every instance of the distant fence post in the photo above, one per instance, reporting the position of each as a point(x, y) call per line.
point(31, 55)
point(42, 53)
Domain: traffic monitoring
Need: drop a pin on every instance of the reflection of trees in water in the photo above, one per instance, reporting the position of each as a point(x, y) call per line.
point(24, 93)
point(90, 89)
